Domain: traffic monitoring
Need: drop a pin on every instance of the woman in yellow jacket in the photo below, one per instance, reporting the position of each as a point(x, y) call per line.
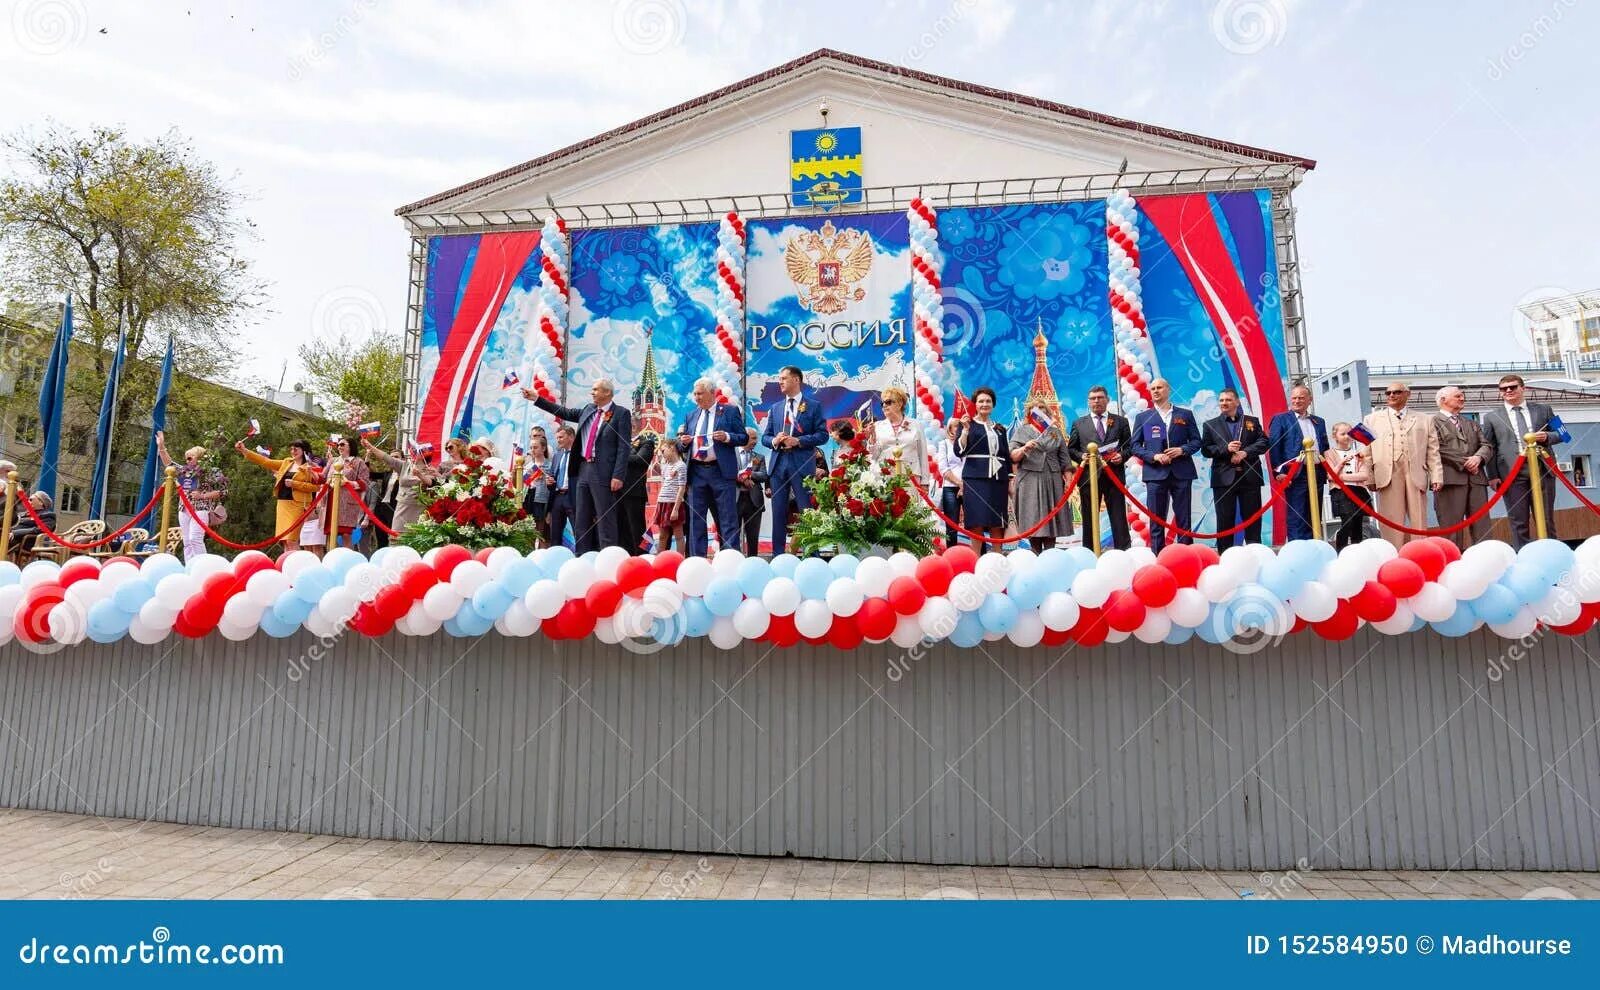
point(294, 485)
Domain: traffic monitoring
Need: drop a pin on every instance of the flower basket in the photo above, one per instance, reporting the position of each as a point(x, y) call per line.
point(865, 509)
point(475, 506)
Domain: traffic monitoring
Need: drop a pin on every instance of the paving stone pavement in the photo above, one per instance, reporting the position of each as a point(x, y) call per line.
point(51, 855)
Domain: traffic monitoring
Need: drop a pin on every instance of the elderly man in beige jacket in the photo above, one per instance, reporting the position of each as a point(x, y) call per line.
point(1405, 463)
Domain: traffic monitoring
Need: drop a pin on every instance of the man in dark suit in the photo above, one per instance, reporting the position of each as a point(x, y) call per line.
point(1166, 438)
point(561, 488)
point(1114, 437)
point(635, 491)
point(795, 429)
point(600, 462)
point(752, 481)
point(1235, 443)
point(1286, 435)
point(709, 440)
point(1504, 426)
point(1465, 456)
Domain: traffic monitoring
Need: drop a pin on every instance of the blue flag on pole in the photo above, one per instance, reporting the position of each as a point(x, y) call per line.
point(105, 432)
point(52, 402)
point(158, 422)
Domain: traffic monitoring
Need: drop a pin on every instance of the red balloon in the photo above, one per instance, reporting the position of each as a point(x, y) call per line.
point(1452, 553)
point(816, 640)
point(482, 556)
point(249, 562)
point(1056, 637)
point(876, 619)
point(75, 570)
point(1124, 612)
point(843, 634)
point(445, 561)
point(781, 631)
point(1091, 628)
point(962, 560)
point(1180, 561)
point(392, 602)
point(1156, 586)
point(575, 619)
point(1204, 551)
point(126, 560)
point(1404, 577)
point(31, 622)
point(1579, 626)
point(603, 598)
point(906, 596)
point(1342, 624)
point(1374, 602)
point(417, 579)
point(551, 628)
point(635, 573)
point(1423, 553)
point(935, 573)
point(667, 564)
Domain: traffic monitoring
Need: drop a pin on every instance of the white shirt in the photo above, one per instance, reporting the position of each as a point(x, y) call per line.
point(1308, 429)
point(949, 463)
point(1523, 425)
point(1166, 420)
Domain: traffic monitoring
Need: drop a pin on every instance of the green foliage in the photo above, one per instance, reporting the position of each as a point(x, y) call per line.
point(368, 373)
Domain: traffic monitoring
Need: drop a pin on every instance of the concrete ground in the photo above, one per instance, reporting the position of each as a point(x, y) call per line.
point(51, 855)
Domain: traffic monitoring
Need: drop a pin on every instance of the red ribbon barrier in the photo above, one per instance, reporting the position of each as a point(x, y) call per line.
point(85, 547)
point(969, 534)
point(293, 528)
point(1483, 510)
point(368, 512)
point(1570, 486)
point(1278, 488)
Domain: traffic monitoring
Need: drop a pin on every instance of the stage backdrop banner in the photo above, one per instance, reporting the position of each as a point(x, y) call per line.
point(1025, 305)
point(1210, 293)
point(636, 289)
point(833, 297)
point(479, 308)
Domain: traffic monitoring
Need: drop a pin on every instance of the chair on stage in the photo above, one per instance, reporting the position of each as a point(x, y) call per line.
point(44, 548)
point(123, 547)
point(171, 542)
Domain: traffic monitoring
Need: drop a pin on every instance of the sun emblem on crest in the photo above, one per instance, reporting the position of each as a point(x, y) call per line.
point(827, 265)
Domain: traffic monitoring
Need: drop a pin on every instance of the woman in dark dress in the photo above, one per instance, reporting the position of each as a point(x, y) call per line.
point(985, 456)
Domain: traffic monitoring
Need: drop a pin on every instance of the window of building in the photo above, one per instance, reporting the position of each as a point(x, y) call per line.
point(1580, 470)
point(27, 428)
point(30, 370)
point(78, 440)
point(71, 498)
point(124, 503)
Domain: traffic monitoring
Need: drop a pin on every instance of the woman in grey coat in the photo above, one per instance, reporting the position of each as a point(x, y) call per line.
point(1041, 463)
point(411, 476)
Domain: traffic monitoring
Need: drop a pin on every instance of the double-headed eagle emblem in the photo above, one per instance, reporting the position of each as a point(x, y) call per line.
point(827, 265)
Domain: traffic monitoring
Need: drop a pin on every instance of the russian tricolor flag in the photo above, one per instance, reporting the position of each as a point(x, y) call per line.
point(1038, 419)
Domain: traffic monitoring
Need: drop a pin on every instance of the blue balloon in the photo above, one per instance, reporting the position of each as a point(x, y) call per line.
point(105, 622)
point(784, 565)
point(1528, 581)
point(1178, 635)
point(997, 613)
point(103, 638)
point(551, 559)
point(491, 601)
point(968, 631)
point(290, 608)
point(9, 573)
point(1498, 604)
point(753, 576)
point(1552, 558)
point(1462, 622)
point(276, 627)
point(380, 554)
point(520, 576)
point(452, 627)
point(813, 577)
point(156, 568)
point(844, 565)
point(1280, 577)
point(131, 595)
point(341, 566)
point(722, 596)
point(1027, 589)
point(668, 630)
point(1215, 627)
point(470, 622)
point(313, 582)
point(697, 618)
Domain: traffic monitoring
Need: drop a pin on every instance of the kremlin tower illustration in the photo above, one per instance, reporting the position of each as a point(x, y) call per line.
point(649, 398)
point(1042, 392)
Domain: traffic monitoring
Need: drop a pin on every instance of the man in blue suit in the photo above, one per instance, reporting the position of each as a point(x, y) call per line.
point(599, 462)
point(1288, 432)
point(795, 429)
point(709, 440)
point(1165, 439)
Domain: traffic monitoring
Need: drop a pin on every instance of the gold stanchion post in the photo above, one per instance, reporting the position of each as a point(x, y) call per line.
point(333, 509)
point(1091, 512)
point(168, 488)
point(1532, 452)
point(11, 507)
point(1313, 488)
point(516, 474)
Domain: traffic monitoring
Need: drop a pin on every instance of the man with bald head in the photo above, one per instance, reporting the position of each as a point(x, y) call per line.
point(1464, 455)
point(1405, 463)
point(599, 463)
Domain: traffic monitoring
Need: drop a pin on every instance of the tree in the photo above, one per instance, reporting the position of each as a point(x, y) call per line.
point(368, 372)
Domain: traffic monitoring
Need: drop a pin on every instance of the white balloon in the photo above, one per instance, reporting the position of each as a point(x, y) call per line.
point(1379, 552)
point(143, 632)
point(1239, 563)
point(1433, 603)
point(1344, 577)
point(1028, 630)
point(576, 577)
point(320, 626)
point(1023, 560)
point(265, 586)
point(938, 618)
point(469, 576)
point(118, 573)
point(1559, 607)
point(1217, 583)
point(903, 564)
point(365, 579)
point(292, 564)
point(1155, 626)
point(174, 590)
point(237, 632)
point(1059, 611)
point(662, 598)
point(993, 571)
point(723, 635)
point(1090, 588)
point(1400, 622)
point(423, 624)
point(1464, 580)
point(1139, 557)
point(1315, 602)
point(781, 596)
point(1116, 636)
point(693, 576)
point(440, 602)
point(1522, 624)
point(844, 596)
point(10, 598)
point(241, 611)
point(606, 631)
point(874, 576)
point(606, 562)
point(907, 632)
point(750, 619)
point(155, 615)
point(966, 591)
point(812, 618)
point(544, 599)
point(208, 564)
point(67, 624)
point(993, 637)
point(337, 605)
point(1189, 608)
point(726, 562)
point(500, 558)
point(84, 593)
point(1115, 569)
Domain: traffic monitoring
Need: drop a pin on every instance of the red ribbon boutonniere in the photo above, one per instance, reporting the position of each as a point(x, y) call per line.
point(1248, 426)
point(800, 408)
point(605, 417)
point(1179, 421)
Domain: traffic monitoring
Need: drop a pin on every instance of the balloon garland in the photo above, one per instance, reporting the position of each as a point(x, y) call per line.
point(546, 349)
point(927, 319)
point(1249, 593)
point(1135, 352)
point(726, 344)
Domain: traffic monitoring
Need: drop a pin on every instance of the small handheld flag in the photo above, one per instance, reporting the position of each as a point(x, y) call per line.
point(532, 476)
point(264, 451)
point(1558, 428)
point(1361, 434)
point(255, 428)
point(334, 439)
point(701, 447)
point(370, 430)
point(864, 413)
point(1038, 419)
point(511, 380)
point(964, 407)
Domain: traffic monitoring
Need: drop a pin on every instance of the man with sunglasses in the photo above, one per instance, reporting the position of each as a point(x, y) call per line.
point(1405, 463)
point(1504, 426)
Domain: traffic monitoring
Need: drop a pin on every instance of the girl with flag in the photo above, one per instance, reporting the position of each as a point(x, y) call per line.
point(357, 476)
point(411, 475)
point(206, 486)
point(1042, 464)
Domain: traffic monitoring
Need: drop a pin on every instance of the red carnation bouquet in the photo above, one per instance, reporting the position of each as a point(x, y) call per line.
point(475, 505)
point(863, 506)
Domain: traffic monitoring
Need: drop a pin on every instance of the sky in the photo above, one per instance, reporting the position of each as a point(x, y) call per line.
point(1455, 142)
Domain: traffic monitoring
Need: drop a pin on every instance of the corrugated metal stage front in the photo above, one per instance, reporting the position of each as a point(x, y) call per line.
point(1395, 753)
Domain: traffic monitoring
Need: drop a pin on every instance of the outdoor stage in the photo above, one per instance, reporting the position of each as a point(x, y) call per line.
point(1396, 752)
